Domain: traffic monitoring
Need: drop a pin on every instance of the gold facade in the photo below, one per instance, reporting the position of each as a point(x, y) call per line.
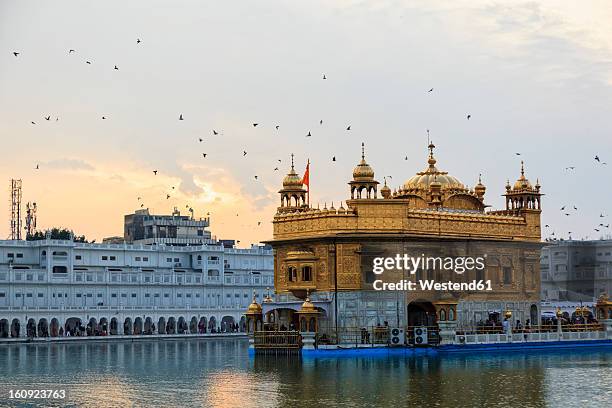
point(432, 213)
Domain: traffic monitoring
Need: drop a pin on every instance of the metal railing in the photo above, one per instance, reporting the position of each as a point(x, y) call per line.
point(277, 340)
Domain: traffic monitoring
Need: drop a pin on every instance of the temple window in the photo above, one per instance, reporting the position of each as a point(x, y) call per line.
point(306, 273)
point(507, 275)
point(292, 274)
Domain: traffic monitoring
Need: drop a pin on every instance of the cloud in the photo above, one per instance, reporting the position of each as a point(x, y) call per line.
point(67, 164)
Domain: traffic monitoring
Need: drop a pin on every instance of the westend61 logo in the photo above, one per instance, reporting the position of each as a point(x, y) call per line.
point(458, 265)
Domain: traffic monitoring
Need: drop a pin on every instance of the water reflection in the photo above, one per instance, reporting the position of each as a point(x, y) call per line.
point(219, 373)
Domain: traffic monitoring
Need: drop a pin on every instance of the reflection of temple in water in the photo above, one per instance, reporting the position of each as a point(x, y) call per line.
point(326, 255)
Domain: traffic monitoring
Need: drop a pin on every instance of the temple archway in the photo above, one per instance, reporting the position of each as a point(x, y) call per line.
point(212, 324)
point(54, 327)
point(138, 326)
point(73, 325)
point(227, 324)
point(171, 326)
point(114, 326)
point(161, 326)
point(103, 326)
point(421, 313)
point(5, 329)
point(202, 325)
point(15, 328)
point(127, 326)
point(193, 325)
point(31, 328)
point(182, 325)
point(92, 327)
point(148, 326)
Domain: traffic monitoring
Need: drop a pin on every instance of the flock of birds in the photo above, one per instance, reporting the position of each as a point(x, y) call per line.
point(217, 132)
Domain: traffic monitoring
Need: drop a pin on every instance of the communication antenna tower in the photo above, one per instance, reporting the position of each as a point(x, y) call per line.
point(15, 209)
point(30, 219)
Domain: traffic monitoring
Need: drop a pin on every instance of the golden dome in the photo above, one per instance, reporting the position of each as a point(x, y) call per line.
point(424, 179)
point(292, 180)
point(254, 307)
point(363, 171)
point(308, 306)
point(522, 183)
point(385, 191)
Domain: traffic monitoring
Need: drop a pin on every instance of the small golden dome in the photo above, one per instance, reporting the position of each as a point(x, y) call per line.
point(480, 187)
point(308, 306)
point(522, 183)
point(254, 307)
point(385, 191)
point(363, 171)
point(292, 180)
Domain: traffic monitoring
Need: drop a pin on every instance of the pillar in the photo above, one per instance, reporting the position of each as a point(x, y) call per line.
point(607, 326)
point(308, 340)
point(120, 326)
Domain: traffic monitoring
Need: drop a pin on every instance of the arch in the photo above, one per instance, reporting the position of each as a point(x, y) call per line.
point(181, 325)
point(463, 201)
point(138, 325)
point(161, 325)
point(73, 326)
point(292, 273)
point(31, 328)
point(15, 328)
point(149, 327)
point(202, 325)
point(443, 315)
point(227, 324)
point(242, 324)
point(114, 326)
point(127, 326)
point(421, 313)
point(212, 324)
point(4, 328)
point(171, 326)
point(54, 327)
point(43, 328)
point(92, 327)
point(193, 325)
point(103, 326)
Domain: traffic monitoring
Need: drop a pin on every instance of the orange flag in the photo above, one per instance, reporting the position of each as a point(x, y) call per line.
point(306, 178)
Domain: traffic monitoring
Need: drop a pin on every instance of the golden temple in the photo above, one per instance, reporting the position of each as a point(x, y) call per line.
point(328, 253)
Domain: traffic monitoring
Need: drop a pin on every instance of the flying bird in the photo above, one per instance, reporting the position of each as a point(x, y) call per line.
point(116, 68)
point(321, 122)
point(324, 77)
point(348, 127)
point(32, 122)
point(181, 116)
point(597, 159)
point(15, 53)
point(244, 153)
point(255, 177)
point(431, 90)
point(138, 41)
point(255, 124)
point(570, 168)
point(308, 135)
point(203, 155)
point(37, 168)
point(406, 158)
point(139, 198)
point(200, 139)
point(48, 117)
point(155, 172)
point(334, 158)
point(468, 117)
point(167, 196)
point(103, 117)
point(215, 132)
point(258, 223)
point(562, 208)
point(70, 51)
point(277, 126)
point(276, 168)
point(518, 154)
point(88, 62)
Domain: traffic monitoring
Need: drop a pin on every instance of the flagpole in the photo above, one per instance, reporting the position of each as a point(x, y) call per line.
point(308, 191)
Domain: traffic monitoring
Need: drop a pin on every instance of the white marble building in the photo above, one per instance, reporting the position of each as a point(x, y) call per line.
point(53, 286)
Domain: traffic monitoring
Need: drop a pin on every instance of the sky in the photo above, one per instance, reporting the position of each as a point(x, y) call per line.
point(535, 76)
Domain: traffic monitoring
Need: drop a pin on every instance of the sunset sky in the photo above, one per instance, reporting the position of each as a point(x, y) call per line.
point(535, 76)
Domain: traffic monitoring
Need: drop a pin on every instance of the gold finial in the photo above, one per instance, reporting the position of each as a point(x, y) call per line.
point(385, 178)
point(522, 168)
point(292, 161)
point(479, 178)
point(362, 151)
point(432, 160)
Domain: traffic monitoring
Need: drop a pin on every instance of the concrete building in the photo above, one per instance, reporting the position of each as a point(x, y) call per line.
point(576, 270)
point(142, 227)
point(127, 288)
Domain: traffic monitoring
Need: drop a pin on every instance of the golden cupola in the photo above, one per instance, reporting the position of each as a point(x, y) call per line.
point(363, 180)
point(523, 195)
point(422, 180)
point(480, 188)
point(385, 191)
point(293, 194)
